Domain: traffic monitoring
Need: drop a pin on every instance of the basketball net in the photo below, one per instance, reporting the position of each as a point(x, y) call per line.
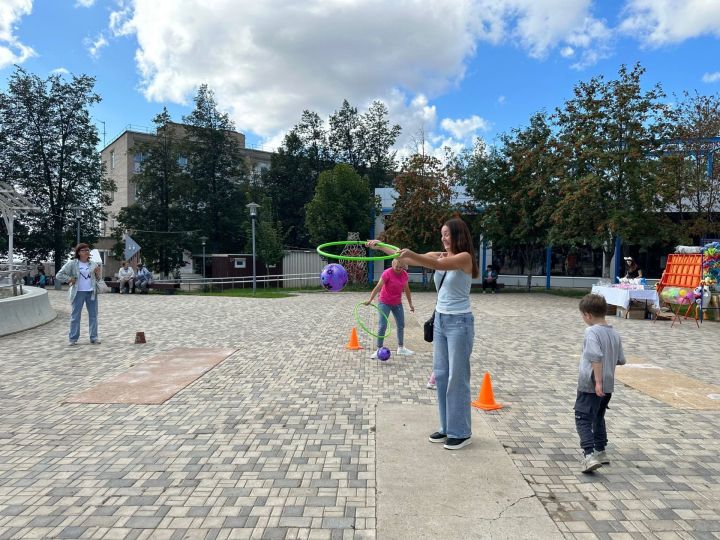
point(356, 270)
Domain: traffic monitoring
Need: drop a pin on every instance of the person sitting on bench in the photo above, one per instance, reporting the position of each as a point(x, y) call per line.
point(143, 278)
point(125, 278)
point(490, 279)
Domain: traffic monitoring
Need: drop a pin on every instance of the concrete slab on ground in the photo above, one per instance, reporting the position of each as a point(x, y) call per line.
point(426, 491)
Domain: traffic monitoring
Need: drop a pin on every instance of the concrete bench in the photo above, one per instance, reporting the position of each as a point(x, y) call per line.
point(169, 288)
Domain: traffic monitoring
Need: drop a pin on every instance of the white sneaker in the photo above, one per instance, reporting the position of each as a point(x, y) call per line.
point(402, 351)
point(601, 456)
point(373, 356)
point(589, 463)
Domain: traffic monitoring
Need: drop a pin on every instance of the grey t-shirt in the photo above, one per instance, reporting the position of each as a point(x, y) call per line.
point(602, 344)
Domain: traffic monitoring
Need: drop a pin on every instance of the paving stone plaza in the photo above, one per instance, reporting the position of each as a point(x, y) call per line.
point(279, 440)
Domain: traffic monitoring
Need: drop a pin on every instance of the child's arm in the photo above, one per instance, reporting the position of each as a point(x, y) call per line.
point(598, 374)
point(621, 356)
point(375, 291)
point(409, 298)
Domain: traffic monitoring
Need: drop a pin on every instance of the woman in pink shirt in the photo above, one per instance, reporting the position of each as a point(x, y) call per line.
point(392, 283)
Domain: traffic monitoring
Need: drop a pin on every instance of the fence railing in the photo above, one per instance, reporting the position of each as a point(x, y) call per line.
point(263, 281)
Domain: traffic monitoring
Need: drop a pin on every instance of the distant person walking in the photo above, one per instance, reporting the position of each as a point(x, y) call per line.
point(82, 274)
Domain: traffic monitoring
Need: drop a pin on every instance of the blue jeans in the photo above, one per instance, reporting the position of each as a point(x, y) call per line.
point(452, 346)
point(399, 315)
point(83, 297)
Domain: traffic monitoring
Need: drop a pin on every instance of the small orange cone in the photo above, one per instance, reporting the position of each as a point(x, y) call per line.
point(139, 337)
point(353, 344)
point(486, 399)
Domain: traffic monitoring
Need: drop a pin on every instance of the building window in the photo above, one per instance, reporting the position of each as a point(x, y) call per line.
point(137, 162)
point(112, 159)
point(240, 263)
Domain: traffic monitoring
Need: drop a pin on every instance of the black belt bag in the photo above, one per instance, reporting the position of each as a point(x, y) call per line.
point(429, 326)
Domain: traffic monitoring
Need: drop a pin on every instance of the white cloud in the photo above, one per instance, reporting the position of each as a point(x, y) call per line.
point(711, 77)
point(567, 52)
point(84, 3)
point(501, 100)
point(464, 128)
point(94, 46)
point(272, 59)
point(11, 50)
point(661, 22)
point(61, 71)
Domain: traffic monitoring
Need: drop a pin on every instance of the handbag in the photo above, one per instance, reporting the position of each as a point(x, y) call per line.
point(429, 326)
point(101, 287)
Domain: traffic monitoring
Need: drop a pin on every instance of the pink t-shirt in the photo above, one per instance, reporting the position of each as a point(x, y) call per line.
point(393, 286)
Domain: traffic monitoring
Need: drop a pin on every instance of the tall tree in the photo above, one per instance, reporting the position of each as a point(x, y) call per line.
point(692, 163)
point(50, 155)
point(516, 188)
point(345, 137)
point(608, 134)
point(290, 182)
point(342, 204)
point(423, 204)
point(218, 173)
point(377, 138)
point(158, 219)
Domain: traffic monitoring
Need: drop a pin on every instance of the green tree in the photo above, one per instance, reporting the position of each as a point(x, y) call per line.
point(376, 139)
point(268, 235)
point(424, 202)
point(609, 133)
point(345, 137)
point(691, 179)
point(290, 182)
point(158, 219)
point(217, 170)
point(342, 203)
point(49, 153)
point(515, 188)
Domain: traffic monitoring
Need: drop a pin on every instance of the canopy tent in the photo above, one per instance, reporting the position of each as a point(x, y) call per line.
point(11, 204)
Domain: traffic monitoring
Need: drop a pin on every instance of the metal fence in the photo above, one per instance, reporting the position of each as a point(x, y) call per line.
point(304, 280)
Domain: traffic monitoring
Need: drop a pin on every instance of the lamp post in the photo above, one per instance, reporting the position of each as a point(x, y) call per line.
point(253, 216)
point(203, 239)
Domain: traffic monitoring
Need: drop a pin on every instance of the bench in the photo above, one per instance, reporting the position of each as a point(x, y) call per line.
point(169, 288)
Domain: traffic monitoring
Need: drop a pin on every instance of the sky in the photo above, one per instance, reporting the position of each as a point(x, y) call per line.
point(448, 70)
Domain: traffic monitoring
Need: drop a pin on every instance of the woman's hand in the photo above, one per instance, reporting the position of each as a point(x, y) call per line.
point(412, 308)
point(407, 254)
point(368, 302)
point(372, 243)
point(72, 281)
point(97, 271)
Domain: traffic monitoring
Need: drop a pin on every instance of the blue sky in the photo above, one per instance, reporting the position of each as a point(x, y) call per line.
point(454, 68)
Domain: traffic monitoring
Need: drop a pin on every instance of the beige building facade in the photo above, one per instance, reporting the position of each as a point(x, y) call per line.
point(123, 161)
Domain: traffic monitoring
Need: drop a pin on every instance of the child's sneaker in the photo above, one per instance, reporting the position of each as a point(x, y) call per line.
point(589, 463)
point(431, 383)
point(601, 456)
point(402, 351)
point(373, 356)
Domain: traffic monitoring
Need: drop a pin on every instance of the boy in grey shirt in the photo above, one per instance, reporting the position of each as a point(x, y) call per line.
point(602, 351)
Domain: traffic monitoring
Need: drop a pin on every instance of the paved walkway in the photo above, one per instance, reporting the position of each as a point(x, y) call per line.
point(278, 441)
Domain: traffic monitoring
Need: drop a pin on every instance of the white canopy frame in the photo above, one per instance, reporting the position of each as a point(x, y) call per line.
point(12, 204)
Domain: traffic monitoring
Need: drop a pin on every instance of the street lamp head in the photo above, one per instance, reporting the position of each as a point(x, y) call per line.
point(253, 208)
point(203, 239)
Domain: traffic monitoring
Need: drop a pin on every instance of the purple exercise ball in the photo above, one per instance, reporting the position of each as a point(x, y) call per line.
point(334, 277)
point(383, 353)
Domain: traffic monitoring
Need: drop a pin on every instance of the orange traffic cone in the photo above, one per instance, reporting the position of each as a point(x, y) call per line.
point(139, 337)
point(486, 399)
point(353, 344)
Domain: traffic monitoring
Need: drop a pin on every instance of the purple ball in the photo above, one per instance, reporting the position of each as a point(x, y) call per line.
point(333, 277)
point(383, 353)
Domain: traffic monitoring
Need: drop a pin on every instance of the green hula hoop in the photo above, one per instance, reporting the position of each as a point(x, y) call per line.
point(362, 325)
point(321, 247)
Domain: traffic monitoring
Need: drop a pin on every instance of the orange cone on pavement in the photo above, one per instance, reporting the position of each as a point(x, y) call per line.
point(353, 344)
point(486, 399)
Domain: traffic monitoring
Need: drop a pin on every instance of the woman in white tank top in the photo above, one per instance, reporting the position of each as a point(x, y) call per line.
point(454, 330)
